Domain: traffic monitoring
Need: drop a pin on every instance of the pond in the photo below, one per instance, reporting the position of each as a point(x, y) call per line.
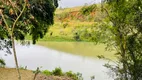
point(34, 56)
point(87, 49)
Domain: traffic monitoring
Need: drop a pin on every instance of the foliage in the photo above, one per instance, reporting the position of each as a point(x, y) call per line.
point(69, 14)
point(21, 17)
point(71, 75)
point(35, 20)
point(72, 25)
point(44, 17)
point(2, 63)
point(57, 72)
point(79, 76)
point(46, 72)
point(55, 3)
point(86, 10)
point(5, 45)
point(125, 16)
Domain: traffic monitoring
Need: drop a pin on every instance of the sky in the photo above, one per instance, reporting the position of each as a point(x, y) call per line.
point(73, 3)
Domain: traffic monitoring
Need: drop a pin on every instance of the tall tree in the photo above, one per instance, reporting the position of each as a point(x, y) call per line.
point(19, 18)
point(126, 19)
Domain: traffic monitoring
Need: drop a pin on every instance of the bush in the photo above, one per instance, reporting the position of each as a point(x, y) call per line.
point(46, 72)
point(72, 75)
point(57, 72)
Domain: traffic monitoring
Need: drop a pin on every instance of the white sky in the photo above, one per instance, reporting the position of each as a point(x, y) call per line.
point(73, 3)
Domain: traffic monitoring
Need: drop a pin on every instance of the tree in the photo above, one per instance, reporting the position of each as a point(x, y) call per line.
point(19, 18)
point(126, 19)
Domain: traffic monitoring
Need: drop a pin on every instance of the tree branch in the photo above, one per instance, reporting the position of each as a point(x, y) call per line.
point(7, 27)
point(18, 17)
point(14, 7)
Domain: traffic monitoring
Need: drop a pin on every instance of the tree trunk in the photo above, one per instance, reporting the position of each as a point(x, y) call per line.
point(123, 55)
point(15, 57)
point(124, 65)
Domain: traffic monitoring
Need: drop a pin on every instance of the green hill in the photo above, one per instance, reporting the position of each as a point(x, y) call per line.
point(72, 24)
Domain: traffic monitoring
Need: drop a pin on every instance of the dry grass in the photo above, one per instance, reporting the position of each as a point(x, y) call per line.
point(11, 74)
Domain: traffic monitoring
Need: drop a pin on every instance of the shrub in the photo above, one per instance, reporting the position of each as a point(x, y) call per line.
point(46, 72)
point(57, 72)
point(72, 75)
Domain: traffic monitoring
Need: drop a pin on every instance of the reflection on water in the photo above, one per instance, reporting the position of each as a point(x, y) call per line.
point(88, 49)
point(36, 56)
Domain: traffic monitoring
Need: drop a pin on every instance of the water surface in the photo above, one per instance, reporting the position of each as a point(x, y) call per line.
point(35, 56)
point(86, 49)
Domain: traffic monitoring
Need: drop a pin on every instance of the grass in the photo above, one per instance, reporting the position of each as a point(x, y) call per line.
point(69, 21)
point(57, 39)
point(66, 26)
point(11, 74)
point(59, 32)
point(86, 49)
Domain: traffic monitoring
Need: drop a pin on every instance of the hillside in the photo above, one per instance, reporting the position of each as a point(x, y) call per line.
point(74, 24)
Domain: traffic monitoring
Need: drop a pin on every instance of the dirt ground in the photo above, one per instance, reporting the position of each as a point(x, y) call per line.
point(11, 74)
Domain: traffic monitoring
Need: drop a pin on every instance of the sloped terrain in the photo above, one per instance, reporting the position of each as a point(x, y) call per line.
point(72, 24)
point(11, 74)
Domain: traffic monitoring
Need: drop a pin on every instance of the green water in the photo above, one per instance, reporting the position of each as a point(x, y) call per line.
point(34, 56)
point(87, 49)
